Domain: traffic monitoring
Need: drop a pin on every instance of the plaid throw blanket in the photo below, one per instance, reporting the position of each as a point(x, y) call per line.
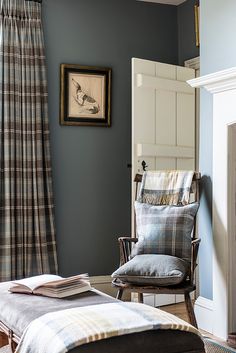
point(61, 331)
point(166, 187)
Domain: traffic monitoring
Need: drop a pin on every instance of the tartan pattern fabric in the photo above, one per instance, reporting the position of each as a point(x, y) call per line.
point(64, 330)
point(166, 187)
point(27, 231)
point(164, 230)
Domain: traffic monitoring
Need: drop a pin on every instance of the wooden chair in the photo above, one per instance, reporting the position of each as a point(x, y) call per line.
point(185, 287)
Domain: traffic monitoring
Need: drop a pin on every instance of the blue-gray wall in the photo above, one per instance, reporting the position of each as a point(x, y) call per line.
point(186, 32)
point(218, 52)
point(91, 179)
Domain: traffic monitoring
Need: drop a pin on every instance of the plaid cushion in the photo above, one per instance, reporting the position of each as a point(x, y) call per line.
point(164, 229)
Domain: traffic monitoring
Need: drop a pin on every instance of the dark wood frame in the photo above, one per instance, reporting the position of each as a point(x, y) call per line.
point(65, 119)
point(8, 337)
point(185, 288)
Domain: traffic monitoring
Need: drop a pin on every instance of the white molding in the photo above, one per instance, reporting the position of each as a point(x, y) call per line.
point(151, 150)
point(147, 81)
point(217, 82)
point(223, 200)
point(232, 223)
point(222, 85)
point(193, 63)
point(157, 300)
point(204, 314)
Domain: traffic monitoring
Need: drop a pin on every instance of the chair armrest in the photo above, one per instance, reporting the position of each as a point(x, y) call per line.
point(195, 248)
point(125, 244)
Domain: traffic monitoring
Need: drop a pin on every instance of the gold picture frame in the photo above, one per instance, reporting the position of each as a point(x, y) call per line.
point(197, 24)
point(85, 95)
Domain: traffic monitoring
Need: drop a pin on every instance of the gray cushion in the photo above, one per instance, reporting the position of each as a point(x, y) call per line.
point(164, 229)
point(160, 270)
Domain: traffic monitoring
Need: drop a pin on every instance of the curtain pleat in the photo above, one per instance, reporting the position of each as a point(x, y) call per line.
point(27, 230)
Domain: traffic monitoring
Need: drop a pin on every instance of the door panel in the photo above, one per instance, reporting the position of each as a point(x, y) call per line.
point(163, 113)
point(164, 163)
point(165, 118)
point(185, 120)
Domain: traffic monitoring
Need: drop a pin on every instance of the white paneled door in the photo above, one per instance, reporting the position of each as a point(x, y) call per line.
point(163, 122)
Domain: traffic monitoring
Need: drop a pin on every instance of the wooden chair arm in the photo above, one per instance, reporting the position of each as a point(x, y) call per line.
point(195, 248)
point(125, 244)
point(128, 239)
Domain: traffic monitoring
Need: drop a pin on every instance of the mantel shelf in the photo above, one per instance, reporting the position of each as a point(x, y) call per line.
point(217, 82)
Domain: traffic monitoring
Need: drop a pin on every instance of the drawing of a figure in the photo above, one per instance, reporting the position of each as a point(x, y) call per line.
point(86, 103)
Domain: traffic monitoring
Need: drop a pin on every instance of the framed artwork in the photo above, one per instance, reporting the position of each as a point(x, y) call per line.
point(197, 23)
point(85, 95)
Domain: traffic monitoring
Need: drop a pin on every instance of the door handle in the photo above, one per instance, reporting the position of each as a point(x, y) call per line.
point(144, 165)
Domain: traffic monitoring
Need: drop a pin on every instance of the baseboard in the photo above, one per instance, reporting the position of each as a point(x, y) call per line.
point(100, 279)
point(103, 283)
point(204, 313)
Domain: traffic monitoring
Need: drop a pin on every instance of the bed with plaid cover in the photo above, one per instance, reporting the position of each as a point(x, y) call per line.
point(64, 330)
point(19, 311)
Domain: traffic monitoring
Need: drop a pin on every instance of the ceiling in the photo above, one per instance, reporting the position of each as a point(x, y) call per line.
point(167, 2)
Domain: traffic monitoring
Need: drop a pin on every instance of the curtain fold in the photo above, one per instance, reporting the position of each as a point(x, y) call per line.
point(27, 231)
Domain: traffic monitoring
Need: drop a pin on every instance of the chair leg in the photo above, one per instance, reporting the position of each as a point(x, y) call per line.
point(119, 294)
point(190, 311)
point(140, 297)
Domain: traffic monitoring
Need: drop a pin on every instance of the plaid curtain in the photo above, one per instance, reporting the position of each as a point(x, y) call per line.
point(27, 233)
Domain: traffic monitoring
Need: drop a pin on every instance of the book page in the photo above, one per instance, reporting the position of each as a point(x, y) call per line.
point(62, 293)
point(36, 281)
point(69, 281)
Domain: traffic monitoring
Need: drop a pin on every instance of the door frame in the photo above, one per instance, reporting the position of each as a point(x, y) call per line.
point(195, 64)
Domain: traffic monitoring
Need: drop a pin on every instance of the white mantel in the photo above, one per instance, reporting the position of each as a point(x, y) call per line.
point(222, 85)
point(216, 82)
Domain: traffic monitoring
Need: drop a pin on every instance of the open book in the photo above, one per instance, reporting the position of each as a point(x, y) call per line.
point(52, 285)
